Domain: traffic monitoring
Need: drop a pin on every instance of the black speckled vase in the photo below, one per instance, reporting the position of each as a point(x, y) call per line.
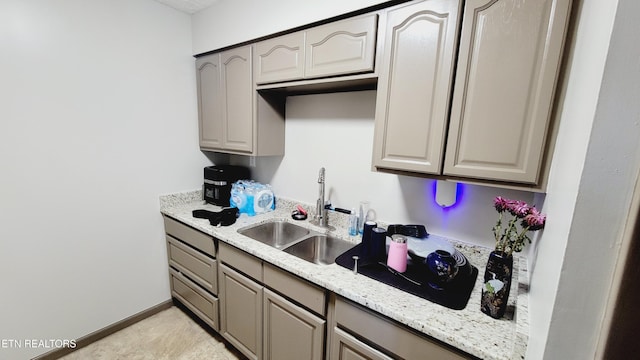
point(497, 283)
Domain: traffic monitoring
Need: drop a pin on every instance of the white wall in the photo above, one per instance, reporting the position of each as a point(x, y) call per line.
point(230, 22)
point(604, 195)
point(335, 131)
point(97, 118)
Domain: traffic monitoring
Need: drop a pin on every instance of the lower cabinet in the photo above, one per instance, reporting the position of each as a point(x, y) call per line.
point(291, 332)
point(241, 312)
point(267, 313)
point(359, 333)
point(347, 347)
point(193, 270)
point(203, 304)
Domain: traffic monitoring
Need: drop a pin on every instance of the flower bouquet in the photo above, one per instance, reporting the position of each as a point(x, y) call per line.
point(515, 219)
point(508, 237)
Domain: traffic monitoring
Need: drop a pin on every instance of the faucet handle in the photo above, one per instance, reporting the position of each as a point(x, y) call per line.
point(321, 176)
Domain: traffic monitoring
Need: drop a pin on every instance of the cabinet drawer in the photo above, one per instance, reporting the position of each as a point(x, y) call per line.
point(347, 347)
point(241, 261)
point(389, 335)
point(342, 47)
point(195, 238)
point(203, 304)
point(305, 293)
point(197, 266)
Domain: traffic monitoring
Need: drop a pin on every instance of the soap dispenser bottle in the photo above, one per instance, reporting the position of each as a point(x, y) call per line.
point(353, 223)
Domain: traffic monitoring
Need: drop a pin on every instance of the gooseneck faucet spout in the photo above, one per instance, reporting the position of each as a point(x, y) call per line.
point(321, 217)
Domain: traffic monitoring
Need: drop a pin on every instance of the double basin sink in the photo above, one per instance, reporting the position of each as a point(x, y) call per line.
point(298, 241)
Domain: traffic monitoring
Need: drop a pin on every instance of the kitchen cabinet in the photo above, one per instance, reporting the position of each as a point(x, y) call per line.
point(338, 48)
point(280, 59)
point(346, 347)
point(210, 98)
point(267, 313)
point(414, 86)
point(229, 107)
point(225, 100)
point(241, 312)
point(193, 270)
point(290, 331)
point(359, 333)
point(499, 124)
point(342, 47)
point(510, 53)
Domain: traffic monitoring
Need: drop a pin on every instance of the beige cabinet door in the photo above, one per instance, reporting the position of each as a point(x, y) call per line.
point(280, 59)
point(414, 86)
point(291, 332)
point(241, 312)
point(510, 51)
point(347, 347)
point(210, 114)
point(341, 47)
point(238, 95)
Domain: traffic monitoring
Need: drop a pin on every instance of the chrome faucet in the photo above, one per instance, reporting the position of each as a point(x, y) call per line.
point(321, 217)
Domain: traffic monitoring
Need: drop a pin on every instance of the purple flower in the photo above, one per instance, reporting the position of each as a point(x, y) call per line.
point(518, 208)
point(500, 203)
point(534, 220)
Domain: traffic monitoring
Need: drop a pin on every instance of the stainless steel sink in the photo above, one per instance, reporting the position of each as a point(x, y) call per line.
point(275, 233)
point(319, 249)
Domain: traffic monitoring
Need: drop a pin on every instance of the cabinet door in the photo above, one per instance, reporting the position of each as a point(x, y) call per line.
point(238, 105)
point(280, 59)
point(290, 332)
point(510, 52)
point(347, 347)
point(342, 47)
point(241, 312)
point(414, 86)
point(210, 112)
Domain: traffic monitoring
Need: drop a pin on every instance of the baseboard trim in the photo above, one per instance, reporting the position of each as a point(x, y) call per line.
point(106, 331)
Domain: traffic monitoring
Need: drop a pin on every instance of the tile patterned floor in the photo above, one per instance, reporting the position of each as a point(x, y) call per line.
point(167, 335)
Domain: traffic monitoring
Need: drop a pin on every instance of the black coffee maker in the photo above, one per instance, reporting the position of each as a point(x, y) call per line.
point(218, 180)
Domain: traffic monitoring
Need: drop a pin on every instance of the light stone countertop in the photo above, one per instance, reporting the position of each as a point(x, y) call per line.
point(468, 330)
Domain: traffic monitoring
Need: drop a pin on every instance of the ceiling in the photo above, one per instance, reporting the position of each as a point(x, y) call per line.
point(188, 6)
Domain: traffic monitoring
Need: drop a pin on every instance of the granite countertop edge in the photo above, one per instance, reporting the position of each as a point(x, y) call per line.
point(468, 330)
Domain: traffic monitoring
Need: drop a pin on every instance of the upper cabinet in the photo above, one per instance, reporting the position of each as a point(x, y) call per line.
point(233, 118)
point(510, 52)
point(280, 59)
point(342, 47)
point(225, 98)
point(465, 88)
point(210, 117)
point(508, 60)
point(338, 48)
point(237, 103)
point(414, 86)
